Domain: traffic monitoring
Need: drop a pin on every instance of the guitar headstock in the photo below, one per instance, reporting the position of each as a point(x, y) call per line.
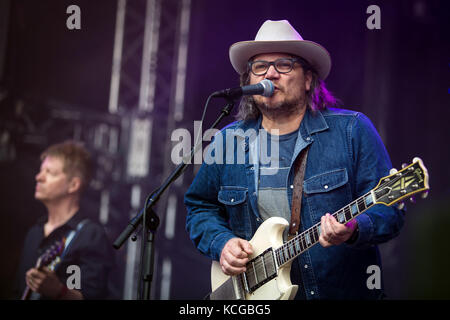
point(412, 179)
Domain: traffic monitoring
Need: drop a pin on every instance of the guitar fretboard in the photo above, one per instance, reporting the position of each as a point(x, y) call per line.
point(305, 240)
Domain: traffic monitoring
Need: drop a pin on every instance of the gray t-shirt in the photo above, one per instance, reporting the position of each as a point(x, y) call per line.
point(272, 192)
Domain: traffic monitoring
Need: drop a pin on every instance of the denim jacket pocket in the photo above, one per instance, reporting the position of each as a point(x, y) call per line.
point(232, 195)
point(326, 182)
point(235, 200)
point(327, 192)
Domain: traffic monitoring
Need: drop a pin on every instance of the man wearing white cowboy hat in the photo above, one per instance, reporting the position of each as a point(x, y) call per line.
point(344, 158)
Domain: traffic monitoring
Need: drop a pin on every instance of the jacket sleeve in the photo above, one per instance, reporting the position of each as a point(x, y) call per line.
point(207, 220)
point(371, 162)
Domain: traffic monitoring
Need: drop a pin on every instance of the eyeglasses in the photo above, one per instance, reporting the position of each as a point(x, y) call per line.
point(283, 65)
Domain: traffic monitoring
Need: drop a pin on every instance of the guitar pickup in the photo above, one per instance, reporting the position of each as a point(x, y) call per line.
point(260, 270)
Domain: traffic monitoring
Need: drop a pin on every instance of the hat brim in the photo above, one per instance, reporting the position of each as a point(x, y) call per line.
point(314, 53)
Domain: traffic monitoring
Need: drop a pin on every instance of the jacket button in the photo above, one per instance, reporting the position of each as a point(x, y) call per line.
point(312, 292)
point(309, 138)
point(325, 186)
point(232, 200)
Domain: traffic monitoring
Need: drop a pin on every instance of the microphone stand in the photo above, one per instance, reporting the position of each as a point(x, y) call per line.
point(151, 218)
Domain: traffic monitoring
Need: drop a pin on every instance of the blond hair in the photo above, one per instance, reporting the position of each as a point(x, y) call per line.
point(76, 160)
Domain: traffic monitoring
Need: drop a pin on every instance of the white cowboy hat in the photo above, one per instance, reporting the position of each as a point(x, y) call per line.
point(280, 36)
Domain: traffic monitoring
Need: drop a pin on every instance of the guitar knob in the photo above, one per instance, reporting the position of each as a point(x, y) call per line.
point(412, 199)
point(401, 205)
point(424, 194)
point(404, 165)
point(393, 170)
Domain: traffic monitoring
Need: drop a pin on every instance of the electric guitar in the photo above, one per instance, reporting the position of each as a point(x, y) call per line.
point(48, 259)
point(267, 274)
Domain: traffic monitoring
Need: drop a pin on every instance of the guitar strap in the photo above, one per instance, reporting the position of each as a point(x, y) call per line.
point(299, 174)
point(72, 234)
point(69, 238)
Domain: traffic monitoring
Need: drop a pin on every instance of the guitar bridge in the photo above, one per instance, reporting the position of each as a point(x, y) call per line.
point(231, 289)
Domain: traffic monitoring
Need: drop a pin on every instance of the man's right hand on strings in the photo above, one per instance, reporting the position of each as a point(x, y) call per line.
point(235, 255)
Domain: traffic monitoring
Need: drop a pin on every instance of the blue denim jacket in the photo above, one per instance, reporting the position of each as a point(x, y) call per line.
point(346, 155)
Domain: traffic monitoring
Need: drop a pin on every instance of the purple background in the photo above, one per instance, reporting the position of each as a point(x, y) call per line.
point(398, 76)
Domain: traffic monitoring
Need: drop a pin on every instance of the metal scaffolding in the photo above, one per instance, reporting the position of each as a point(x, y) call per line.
point(147, 88)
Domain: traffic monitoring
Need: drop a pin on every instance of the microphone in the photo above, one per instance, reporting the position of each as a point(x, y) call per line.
point(264, 88)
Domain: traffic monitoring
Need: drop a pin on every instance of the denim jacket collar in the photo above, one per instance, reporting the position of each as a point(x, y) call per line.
point(312, 122)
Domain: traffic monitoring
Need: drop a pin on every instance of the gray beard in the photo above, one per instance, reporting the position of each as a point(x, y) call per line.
point(280, 110)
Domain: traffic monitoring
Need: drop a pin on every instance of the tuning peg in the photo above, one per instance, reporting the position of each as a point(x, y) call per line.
point(401, 205)
point(424, 194)
point(393, 170)
point(412, 199)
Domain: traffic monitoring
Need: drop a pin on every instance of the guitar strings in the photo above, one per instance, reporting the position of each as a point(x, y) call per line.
point(290, 246)
point(359, 201)
point(314, 230)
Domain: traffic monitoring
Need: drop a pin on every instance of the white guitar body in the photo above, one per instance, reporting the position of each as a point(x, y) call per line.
point(268, 235)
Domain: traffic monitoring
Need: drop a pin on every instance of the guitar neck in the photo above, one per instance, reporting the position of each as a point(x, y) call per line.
point(27, 292)
point(308, 238)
